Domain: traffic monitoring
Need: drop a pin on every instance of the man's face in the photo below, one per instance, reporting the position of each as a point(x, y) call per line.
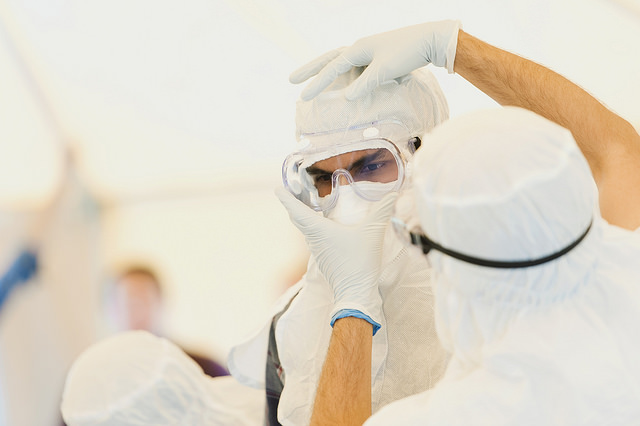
point(372, 165)
point(138, 304)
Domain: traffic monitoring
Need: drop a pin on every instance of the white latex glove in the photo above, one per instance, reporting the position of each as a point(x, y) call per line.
point(387, 56)
point(349, 257)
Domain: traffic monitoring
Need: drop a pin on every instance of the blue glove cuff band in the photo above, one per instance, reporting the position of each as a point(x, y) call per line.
point(355, 313)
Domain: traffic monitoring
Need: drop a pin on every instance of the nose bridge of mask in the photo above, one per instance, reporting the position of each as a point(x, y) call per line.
point(341, 177)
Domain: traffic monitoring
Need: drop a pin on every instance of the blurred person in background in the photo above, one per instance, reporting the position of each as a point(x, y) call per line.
point(21, 270)
point(17, 270)
point(134, 300)
point(49, 251)
point(138, 376)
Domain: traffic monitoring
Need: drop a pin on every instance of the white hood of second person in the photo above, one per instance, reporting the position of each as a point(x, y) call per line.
point(555, 343)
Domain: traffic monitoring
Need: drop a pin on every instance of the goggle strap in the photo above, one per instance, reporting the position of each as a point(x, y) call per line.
point(427, 245)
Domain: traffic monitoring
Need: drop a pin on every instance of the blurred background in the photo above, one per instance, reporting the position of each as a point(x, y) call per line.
point(152, 132)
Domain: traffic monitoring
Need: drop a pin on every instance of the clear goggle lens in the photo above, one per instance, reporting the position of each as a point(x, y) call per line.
point(314, 176)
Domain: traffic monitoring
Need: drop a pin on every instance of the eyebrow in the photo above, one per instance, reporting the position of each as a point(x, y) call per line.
point(314, 171)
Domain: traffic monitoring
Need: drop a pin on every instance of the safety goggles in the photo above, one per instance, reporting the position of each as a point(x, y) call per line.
point(364, 157)
point(420, 240)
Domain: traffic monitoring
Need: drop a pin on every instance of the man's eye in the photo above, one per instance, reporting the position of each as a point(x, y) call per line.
point(372, 167)
point(322, 178)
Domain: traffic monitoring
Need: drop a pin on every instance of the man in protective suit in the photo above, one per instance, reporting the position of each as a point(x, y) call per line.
point(351, 155)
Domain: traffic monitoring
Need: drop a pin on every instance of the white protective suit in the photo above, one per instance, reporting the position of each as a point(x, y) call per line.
point(407, 357)
point(136, 378)
point(554, 344)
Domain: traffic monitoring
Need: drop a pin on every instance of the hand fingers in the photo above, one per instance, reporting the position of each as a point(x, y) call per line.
point(312, 68)
point(299, 213)
point(326, 76)
point(364, 84)
point(385, 209)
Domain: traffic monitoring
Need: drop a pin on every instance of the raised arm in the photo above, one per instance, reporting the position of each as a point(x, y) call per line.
point(609, 143)
point(349, 258)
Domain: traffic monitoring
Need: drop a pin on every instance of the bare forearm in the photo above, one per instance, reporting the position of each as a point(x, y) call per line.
point(512, 80)
point(609, 143)
point(344, 391)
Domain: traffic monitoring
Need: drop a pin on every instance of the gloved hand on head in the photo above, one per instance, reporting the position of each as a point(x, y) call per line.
point(348, 256)
point(386, 55)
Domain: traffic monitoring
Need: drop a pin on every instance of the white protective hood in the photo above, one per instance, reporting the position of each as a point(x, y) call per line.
point(550, 344)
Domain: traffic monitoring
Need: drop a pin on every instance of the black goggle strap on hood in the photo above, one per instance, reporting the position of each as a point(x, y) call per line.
point(427, 245)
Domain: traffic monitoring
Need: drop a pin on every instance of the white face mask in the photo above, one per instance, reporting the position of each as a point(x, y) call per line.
point(350, 208)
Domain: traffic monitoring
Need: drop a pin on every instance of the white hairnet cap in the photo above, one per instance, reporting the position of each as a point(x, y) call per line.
point(506, 185)
point(135, 378)
point(415, 100)
point(503, 184)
